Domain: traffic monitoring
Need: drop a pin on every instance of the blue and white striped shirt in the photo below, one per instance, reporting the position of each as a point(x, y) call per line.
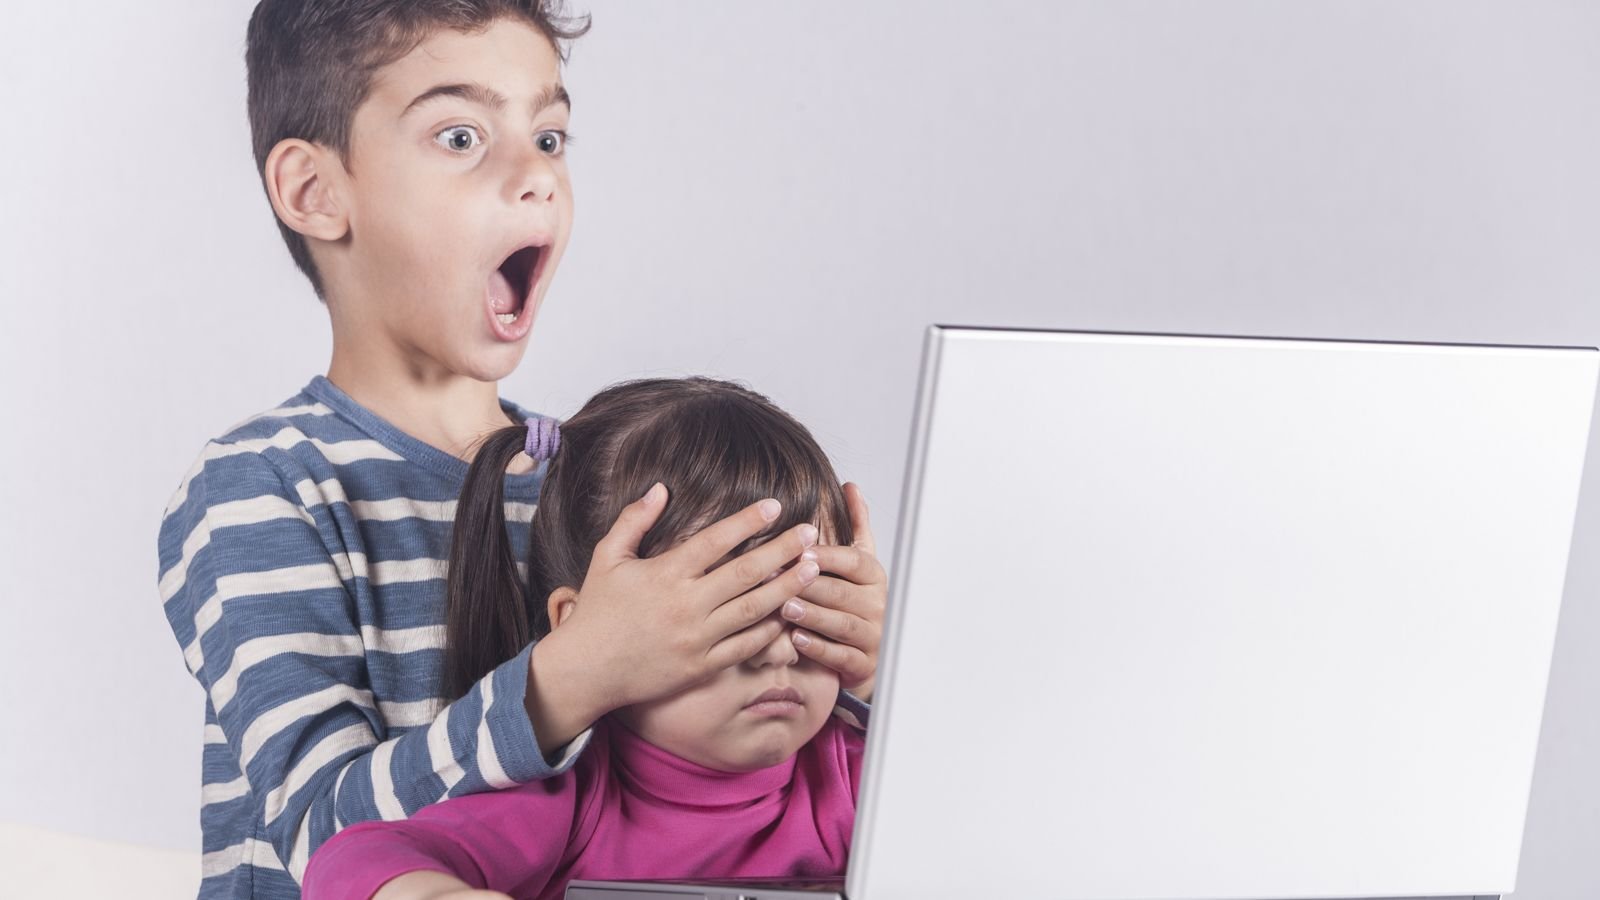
point(302, 570)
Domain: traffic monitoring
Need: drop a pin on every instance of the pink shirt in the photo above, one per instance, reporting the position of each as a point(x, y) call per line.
point(627, 809)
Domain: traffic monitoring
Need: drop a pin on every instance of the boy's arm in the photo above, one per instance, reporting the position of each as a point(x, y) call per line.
point(257, 598)
point(852, 709)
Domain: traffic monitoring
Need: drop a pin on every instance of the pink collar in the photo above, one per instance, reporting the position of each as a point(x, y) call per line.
point(643, 768)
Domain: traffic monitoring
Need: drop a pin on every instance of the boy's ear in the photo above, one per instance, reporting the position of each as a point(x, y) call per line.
point(560, 605)
point(301, 179)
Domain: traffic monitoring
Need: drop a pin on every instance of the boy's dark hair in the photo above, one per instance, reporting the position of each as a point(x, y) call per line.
point(717, 446)
point(309, 65)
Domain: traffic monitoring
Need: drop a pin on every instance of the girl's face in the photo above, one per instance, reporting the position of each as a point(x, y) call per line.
point(750, 716)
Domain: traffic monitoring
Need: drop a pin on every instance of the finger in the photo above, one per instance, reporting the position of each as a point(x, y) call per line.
point(851, 564)
point(757, 564)
point(836, 595)
point(743, 644)
point(860, 522)
point(622, 541)
point(834, 624)
point(702, 550)
point(754, 605)
point(852, 665)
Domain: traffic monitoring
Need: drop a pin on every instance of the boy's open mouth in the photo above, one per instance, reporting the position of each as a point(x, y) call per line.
point(511, 285)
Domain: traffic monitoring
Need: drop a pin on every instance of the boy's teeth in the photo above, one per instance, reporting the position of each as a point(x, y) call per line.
point(506, 318)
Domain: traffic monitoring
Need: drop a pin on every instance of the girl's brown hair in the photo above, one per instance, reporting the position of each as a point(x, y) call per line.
point(717, 447)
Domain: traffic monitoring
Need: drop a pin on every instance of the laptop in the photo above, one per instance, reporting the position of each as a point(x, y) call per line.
point(1191, 617)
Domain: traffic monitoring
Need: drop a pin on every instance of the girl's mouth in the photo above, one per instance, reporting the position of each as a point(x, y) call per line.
point(785, 703)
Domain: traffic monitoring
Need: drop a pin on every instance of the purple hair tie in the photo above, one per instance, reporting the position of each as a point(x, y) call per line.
point(544, 438)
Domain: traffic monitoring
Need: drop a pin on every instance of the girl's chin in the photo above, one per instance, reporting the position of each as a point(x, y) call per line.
point(767, 758)
point(761, 751)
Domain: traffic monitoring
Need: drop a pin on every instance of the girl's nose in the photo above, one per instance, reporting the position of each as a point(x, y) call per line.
point(780, 652)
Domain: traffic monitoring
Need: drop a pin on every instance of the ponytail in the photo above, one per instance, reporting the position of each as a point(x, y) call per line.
point(486, 612)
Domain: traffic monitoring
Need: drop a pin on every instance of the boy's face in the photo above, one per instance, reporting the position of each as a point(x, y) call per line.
point(457, 160)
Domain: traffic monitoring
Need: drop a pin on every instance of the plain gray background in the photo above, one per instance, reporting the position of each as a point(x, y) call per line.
point(784, 194)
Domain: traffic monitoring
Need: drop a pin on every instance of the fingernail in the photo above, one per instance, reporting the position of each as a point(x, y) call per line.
point(801, 640)
point(770, 509)
point(654, 492)
point(809, 555)
point(808, 571)
point(793, 610)
point(808, 534)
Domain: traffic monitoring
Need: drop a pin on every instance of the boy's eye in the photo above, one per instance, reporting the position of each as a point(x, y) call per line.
point(553, 142)
point(458, 138)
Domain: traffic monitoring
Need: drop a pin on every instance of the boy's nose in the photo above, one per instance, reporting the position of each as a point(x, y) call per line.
point(535, 180)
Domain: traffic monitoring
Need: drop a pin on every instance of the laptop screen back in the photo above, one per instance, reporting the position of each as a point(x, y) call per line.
point(1189, 617)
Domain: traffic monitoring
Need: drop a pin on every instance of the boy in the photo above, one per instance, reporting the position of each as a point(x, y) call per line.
point(413, 152)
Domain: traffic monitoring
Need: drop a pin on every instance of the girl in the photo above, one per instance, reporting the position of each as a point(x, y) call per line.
point(746, 774)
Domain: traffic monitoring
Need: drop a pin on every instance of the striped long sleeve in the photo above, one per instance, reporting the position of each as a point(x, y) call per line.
point(302, 566)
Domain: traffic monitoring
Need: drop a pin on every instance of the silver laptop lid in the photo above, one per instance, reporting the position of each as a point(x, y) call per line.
point(1203, 617)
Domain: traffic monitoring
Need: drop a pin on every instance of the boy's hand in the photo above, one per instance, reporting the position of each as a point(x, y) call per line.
point(844, 618)
point(642, 629)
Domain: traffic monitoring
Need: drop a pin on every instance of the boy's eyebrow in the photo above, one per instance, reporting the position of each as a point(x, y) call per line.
point(483, 95)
